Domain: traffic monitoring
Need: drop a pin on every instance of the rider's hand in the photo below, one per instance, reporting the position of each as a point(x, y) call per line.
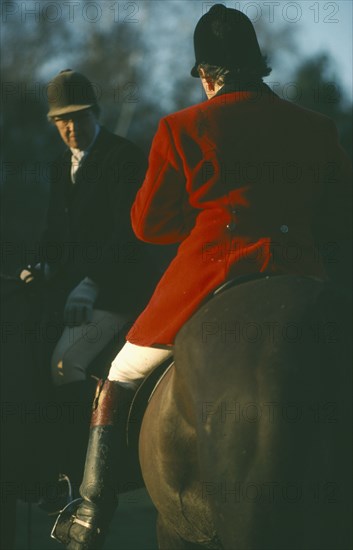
point(79, 305)
point(27, 275)
point(31, 273)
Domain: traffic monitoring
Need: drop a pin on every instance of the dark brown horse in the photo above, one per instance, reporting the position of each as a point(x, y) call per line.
point(245, 444)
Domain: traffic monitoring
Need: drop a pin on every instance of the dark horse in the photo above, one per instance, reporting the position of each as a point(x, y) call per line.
point(245, 444)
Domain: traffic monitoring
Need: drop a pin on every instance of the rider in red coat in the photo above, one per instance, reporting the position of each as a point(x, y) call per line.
point(248, 184)
point(239, 181)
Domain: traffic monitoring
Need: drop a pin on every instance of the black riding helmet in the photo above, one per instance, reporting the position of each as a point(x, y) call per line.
point(226, 38)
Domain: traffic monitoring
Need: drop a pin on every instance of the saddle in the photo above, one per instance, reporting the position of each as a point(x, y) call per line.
point(239, 280)
point(139, 404)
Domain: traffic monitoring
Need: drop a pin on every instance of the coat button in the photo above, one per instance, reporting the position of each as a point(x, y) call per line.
point(284, 228)
point(231, 226)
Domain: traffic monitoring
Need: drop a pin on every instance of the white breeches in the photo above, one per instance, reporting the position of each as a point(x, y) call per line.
point(133, 363)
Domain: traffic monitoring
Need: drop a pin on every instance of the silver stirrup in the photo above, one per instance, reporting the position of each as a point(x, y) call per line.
point(66, 515)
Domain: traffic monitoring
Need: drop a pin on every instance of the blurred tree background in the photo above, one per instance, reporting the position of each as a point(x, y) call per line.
point(138, 55)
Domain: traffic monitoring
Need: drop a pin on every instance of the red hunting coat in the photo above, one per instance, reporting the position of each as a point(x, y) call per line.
point(245, 182)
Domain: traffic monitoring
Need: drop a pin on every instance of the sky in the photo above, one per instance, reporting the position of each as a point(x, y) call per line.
point(329, 26)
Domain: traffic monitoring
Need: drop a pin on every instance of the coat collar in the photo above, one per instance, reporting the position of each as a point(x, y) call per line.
point(96, 150)
point(245, 90)
point(84, 152)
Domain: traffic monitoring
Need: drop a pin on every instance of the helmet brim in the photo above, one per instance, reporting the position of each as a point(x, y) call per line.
point(194, 72)
point(68, 109)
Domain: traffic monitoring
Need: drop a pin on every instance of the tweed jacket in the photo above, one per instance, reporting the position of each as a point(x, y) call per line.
point(246, 183)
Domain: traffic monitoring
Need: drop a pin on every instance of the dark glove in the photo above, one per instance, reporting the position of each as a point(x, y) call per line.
point(79, 304)
point(74, 528)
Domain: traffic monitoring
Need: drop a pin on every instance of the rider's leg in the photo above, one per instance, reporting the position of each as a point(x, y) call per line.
point(106, 453)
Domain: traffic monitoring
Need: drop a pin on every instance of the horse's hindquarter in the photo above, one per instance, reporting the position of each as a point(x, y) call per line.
point(266, 365)
point(169, 462)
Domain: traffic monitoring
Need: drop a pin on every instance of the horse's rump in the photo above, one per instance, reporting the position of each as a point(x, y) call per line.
point(252, 433)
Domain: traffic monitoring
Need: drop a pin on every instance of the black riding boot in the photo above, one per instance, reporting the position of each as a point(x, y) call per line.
point(104, 469)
